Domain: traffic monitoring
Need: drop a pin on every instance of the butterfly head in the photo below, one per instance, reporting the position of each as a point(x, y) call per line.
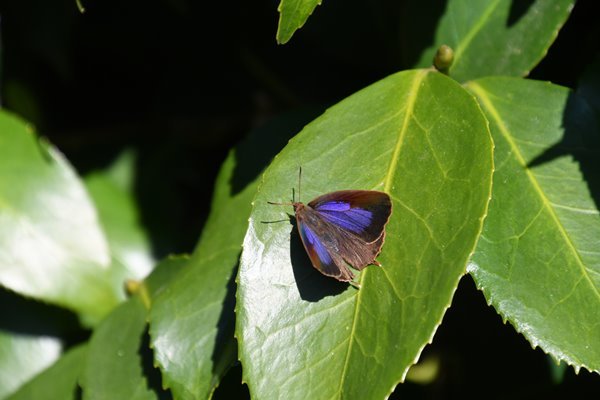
point(298, 206)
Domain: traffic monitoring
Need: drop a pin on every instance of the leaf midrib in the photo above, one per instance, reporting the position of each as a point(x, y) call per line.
point(481, 92)
point(389, 178)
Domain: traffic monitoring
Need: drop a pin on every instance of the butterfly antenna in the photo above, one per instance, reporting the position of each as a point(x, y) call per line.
point(299, 181)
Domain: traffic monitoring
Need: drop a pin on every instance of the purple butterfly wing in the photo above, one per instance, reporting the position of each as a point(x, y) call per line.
point(363, 213)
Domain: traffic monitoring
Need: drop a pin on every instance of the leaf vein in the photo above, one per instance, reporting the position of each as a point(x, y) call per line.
point(411, 99)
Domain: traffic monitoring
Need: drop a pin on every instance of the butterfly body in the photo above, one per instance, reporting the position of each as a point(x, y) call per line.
point(343, 228)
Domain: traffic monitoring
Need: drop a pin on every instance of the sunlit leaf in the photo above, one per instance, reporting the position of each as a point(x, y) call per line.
point(51, 245)
point(112, 192)
point(418, 136)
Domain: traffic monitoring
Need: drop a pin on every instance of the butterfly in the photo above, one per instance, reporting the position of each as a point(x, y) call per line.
point(343, 228)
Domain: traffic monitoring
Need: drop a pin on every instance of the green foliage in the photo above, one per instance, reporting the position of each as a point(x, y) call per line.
point(24, 356)
point(418, 136)
point(119, 361)
point(497, 177)
point(112, 193)
point(538, 260)
point(192, 320)
point(53, 248)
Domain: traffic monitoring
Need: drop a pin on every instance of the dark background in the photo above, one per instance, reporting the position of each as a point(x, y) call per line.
point(182, 81)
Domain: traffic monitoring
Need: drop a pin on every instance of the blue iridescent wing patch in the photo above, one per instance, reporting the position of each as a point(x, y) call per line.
point(314, 245)
point(356, 220)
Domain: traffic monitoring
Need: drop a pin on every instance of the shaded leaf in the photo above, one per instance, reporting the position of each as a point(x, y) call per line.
point(59, 381)
point(191, 321)
point(112, 192)
point(418, 136)
point(538, 260)
point(51, 246)
point(292, 15)
point(491, 37)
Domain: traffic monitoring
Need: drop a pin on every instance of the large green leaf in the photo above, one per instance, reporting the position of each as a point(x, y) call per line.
point(59, 381)
point(51, 246)
point(292, 15)
point(538, 260)
point(418, 136)
point(112, 192)
point(191, 321)
point(119, 361)
point(489, 37)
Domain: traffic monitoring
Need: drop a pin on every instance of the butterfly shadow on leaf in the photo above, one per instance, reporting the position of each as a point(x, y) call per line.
point(312, 285)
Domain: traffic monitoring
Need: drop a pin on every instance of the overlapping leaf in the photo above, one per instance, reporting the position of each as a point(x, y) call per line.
point(59, 381)
point(538, 261)
point(112, 192)
point(191, 321)
point(489, 37)
point(51, 246)
point(420, 137)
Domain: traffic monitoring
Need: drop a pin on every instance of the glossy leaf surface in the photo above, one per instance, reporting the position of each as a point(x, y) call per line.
point(538, 261)
point(421, 138)
point(112, 193)
point(51, 245)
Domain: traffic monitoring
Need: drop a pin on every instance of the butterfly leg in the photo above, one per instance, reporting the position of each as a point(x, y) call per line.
point(355, 284)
